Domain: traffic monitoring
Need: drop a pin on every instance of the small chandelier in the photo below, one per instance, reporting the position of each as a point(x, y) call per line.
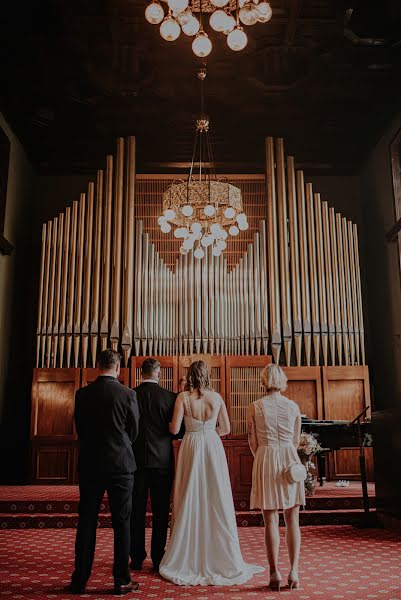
point(204, 210)
point(225, 17)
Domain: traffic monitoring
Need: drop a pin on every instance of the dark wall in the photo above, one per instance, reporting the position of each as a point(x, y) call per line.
point(384, 296)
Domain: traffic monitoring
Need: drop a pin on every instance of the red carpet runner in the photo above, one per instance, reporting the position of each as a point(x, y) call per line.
point(337, 563)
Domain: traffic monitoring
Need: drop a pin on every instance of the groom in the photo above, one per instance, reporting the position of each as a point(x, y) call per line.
point(106, 420)
point(154, 457)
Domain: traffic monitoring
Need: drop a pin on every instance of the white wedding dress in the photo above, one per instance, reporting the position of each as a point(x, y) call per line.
point(204, 546)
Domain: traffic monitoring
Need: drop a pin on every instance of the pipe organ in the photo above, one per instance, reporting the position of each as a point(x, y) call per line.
point(287, 289)
point(289, 286)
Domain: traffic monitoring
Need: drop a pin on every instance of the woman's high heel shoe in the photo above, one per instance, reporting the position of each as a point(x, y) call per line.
point(293, 580)
point(275, 581)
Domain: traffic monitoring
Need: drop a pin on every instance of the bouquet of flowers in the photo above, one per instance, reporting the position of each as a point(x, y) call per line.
point(308, 447)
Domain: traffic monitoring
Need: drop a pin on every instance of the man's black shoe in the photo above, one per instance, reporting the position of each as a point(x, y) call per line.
point(120, 590)
point(75, 588)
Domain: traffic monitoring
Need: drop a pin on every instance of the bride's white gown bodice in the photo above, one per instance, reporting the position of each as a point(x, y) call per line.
point(204, 546)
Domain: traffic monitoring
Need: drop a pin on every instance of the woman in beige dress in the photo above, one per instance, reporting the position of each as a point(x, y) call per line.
point(274, 428)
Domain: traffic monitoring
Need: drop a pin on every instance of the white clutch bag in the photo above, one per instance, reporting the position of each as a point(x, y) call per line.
point(295, 473)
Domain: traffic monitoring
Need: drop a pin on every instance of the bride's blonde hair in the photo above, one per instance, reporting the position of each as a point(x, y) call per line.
point(198, 377)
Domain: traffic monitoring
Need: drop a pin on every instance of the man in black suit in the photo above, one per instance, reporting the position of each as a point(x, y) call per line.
point(106, 420)
point(154, 456)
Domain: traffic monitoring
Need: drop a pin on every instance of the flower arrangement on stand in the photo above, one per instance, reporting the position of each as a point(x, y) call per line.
point(308, 447)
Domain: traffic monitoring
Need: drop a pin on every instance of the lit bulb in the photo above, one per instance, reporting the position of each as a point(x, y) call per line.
point(216, 251)
point(241, 217)
point(199, 253)
point(264, 12)
point(218, 20)
point(178, 5)
point(183, 250)
point(169, 29)
point(233, 230)
point(197, 235)
point(161, 220)
point(243, 225)
point(229, 213)
point(185, 232)
point(169, 214)
point(209, 210)
point(248, 14)
point(166, 227)
point(219, 3)
point(196, 227)
point(183, 17)
point(221, 244)
point(230, 23)
point(237, 39)
point(215, 229)
point(154, 13)
point(187, 210)
point(188, 243)
point(202, 46)
point(224, 234)
point(206, 240)
point(192, 27)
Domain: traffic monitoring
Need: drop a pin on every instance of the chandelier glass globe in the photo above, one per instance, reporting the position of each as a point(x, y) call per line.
point(161, 220)
point(187, 210)
point(229, 213)
point(154, 13)
point(178, 5)
point(188, 244)
point(221, 244)
point(230, 23)
point(166, 227)
point(233, 230)
point(206, 241)
point(224, 234)
point(218, 20)
point(215, 229)
point(201, 45)
point(183, 251)
point(248, 14)
point(264, 12)
point(183, 17)
point(209, 210)
point(169, 214)
point(196, 228)
point(199, 253)
point(169, 29)
point(243, 225)
point(219, 3)
point(237, 39)
point(192, 27)
point(216, 251)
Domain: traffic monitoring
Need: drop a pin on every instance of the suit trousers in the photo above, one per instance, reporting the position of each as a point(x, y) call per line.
point(159, 483)
point(119, 491)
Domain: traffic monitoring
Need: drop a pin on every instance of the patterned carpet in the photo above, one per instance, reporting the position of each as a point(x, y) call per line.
point(337, 563)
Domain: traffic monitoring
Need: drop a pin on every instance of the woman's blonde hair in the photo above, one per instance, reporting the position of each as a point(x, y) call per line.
point(274, 378)
point(198, 377)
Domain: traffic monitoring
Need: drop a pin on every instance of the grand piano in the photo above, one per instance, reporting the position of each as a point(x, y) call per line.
point(337, 435)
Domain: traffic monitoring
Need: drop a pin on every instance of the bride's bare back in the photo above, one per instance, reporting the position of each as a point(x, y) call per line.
point(203, 407)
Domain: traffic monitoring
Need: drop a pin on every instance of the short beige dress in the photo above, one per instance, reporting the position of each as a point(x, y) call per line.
point(275, 417)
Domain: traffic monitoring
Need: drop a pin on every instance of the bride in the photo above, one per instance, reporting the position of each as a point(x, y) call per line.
point(204, 547)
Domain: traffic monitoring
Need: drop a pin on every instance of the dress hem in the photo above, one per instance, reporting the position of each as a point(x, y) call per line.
point(215, 581)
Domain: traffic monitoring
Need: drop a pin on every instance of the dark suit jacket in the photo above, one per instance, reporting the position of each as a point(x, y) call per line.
point(106, 420)
point(153, 447)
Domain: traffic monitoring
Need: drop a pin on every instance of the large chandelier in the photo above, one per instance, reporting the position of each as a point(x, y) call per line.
point(203, 210)
point(226, 16)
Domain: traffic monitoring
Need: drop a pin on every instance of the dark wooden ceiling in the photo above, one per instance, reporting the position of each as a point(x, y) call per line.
point(75, 74)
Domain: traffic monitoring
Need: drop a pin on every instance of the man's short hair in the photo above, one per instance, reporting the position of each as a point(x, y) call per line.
point(108, 359)
point(149, 366)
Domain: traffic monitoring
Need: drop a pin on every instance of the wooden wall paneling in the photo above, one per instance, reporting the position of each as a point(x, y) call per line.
point(53, 394)
point(169, 371)
point(305, 388)
point(346, 392)
point(90, 374)
point(216, 366)
point(53, 464)
point(242, 388)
